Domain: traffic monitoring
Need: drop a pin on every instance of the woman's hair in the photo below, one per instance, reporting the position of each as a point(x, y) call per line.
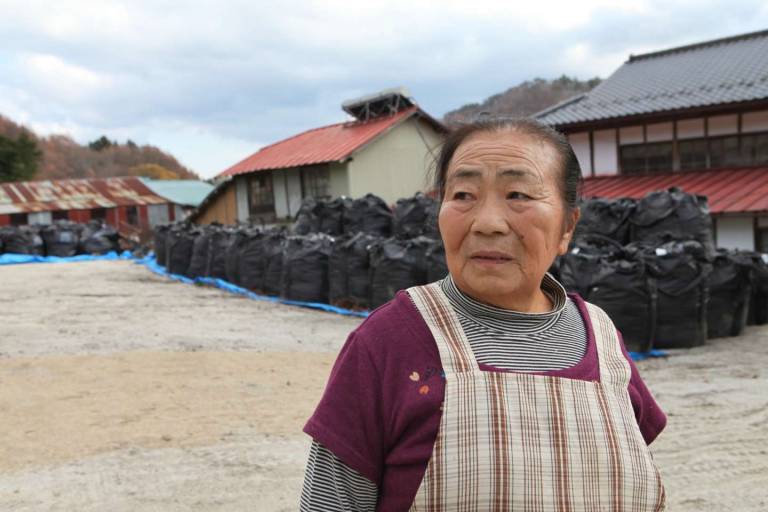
point(570, 171)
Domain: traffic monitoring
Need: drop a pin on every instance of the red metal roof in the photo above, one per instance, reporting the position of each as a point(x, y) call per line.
point(81, 194)
point(728, 190)
point(332, 143)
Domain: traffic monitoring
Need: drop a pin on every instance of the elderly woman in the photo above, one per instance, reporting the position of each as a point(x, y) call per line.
point(491, 389)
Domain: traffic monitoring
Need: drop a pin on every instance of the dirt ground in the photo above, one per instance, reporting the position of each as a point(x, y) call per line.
point(123, 391)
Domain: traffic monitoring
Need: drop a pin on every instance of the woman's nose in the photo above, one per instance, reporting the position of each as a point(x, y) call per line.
point(490, 218)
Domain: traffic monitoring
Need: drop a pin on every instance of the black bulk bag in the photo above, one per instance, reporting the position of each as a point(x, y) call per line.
point(307, 220)
point(396, 264)
point(198, 265)
point(675, 215)
point(577, 269)
point(161, 234)
point(414, 216)
point(596, 245)
point(61, 239)
point(232, 256)
point(305, 268)
point(606, 217)
point(21, 240)
point(331, 213)
point(273, 262)
point(437, 268)
point(348, 271)
point(758, 307)
point(730, 291)
point(683, 293)
point(623, 289)
point(369, 214)
point(179, 245)
point(98, 238)
point(252, 260)
point(217, 253)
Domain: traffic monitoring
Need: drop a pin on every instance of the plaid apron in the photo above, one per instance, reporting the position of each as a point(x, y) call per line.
point(517, 441)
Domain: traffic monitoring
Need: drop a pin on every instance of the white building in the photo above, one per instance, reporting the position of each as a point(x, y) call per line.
point(695, 117)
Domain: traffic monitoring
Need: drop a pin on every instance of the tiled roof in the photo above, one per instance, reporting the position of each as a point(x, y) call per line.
point(722, 71)
point(728, 190)
point(332, 143)
point(79, 194)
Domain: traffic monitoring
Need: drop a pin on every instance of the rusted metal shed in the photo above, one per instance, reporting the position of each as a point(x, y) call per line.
point(121, 202)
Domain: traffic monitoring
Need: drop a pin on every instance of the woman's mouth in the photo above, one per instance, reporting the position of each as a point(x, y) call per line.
point(491, 257)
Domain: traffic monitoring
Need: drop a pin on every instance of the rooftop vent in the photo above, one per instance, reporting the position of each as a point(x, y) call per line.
point(384, 103)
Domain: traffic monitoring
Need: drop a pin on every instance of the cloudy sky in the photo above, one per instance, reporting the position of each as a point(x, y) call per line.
point(211, 82)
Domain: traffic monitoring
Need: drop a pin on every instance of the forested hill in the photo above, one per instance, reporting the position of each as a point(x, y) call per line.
point(27, 156)
point(523, 99)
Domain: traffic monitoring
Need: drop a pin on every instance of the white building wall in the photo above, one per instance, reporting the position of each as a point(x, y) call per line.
point(659, 132)
point(157, 214)
point(735, 233)
point(631, 135)
point(690, 128)
point(396, 164)
point(39, 218)
point(286, 187)
point(755, 121)
point(723, 125)
point(606, 159)
point(580, 144)
point(241, 196)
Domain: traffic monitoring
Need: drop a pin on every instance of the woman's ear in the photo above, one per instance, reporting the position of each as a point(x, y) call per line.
point(572, 218)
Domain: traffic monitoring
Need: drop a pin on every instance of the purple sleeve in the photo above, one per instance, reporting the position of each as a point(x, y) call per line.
point(348, 419)
point(649, 415)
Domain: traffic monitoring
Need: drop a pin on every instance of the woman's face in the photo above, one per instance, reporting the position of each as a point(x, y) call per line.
point(502, 219)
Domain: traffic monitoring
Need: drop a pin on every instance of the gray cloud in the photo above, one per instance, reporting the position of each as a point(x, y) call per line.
point(247, 73)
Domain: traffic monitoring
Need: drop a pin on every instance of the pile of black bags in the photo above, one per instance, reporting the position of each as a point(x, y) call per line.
point(352, 253)
point(651, 264)
point(62, 238)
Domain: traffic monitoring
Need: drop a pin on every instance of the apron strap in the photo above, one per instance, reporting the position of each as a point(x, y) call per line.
point(614, 368)
point(456, 354)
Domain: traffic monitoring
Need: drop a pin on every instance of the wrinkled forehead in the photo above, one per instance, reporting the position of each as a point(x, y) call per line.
point(504, 149)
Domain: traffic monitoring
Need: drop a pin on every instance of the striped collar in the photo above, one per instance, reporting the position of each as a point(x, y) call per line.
point(494, 317)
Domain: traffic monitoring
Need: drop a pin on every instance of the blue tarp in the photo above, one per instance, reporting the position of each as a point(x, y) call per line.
point(639, 356)
point(15, 259)
point(150, 262)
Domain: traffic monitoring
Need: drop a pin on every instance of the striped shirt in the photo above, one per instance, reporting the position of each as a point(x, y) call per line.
point(499, 337)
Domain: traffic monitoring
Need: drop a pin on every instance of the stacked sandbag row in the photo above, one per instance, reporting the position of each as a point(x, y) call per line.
point(412, 217)
point(659, 217)
point(359, 270)
point(652, 265)
point(62, 238)
point(656, 296)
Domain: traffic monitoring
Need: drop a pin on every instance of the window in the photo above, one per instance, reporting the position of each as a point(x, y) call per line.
point(744, 150)
point(18, 219)
point(754, 148)
point(693, 154)
point(132, 215)
point(99, 214)
point(261, 199)
point(316, 182)
point(659, 157)
point(762, 240)
point(645, 158)
point(724, 151)
point(60, 215)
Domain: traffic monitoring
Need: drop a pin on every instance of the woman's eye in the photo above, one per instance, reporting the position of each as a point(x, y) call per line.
point(462, 196)
point(517, 195)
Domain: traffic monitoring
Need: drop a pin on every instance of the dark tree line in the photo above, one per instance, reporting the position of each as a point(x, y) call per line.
point(19, 157)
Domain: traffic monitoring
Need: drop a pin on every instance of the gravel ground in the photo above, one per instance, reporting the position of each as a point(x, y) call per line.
point(123, 391)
